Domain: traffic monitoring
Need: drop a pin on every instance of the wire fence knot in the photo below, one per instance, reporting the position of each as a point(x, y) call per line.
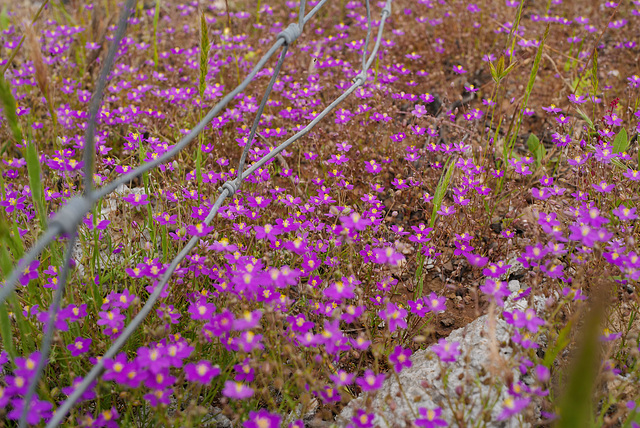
point(71, 214)
point(386, 10)
point(360, 78)
point(291, 33)
point(231, 186)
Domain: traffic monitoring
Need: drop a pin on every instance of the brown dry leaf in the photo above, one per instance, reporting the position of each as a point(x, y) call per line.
point(42, 74)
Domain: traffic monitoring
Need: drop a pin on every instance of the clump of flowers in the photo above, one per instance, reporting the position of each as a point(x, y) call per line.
point(437, 192)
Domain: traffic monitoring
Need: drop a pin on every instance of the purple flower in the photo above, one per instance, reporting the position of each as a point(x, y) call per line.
point(28, 365)
point(248, 341)
point(418, 307)
point(329, 395)
point(458, 69)
point(498, 290)
point(107, 418)
point(496, 270)
point(526, 319)
point(400, 358)
point(387, 255)
point(201, 372)
point(419, 110)
point(262, 419)
point(30, 272)
point(603, 187)
point(542, 373)
point(446, 210)
point(136, 199)
point(553, 269)
point(370, 381)
point(612, 120)
point(201, 310)
point(524, 340)
point(625, 214)
point(476, 259)
point(38, 409)
point(608, 335)
point(436, 304)
point(552, 109)
point(111, 319)
point(342, 378)
point(632, 174)
point(584, 233)
point(13, 202)
point(236, 390)
point(115, 368)
point(248, 320)
point(268, 231)
point(430, 418)
point(362, 419)
point(244, 371)
point(339, 291)
point(160, 380)
point(512, 406)
point(79, 346)
point(153, 358)
point(447, 352)
point(396, 317)
point(177, 351)
point(199, 229)
point(16, 384)
point(576, 99)
point(89, 394)
point(159, 397)
point(355, 221)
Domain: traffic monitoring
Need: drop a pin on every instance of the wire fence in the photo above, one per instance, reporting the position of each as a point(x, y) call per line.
point(67, 219)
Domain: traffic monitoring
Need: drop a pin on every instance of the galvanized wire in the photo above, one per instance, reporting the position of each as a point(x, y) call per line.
point(98, 93)
point(48, 334)
point(68, 218)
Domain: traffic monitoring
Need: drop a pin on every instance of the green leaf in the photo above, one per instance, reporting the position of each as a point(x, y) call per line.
point(576, 406)
point(494, 73)
point(9, 105)
point(537, 149)
point(594, 73)
point(633, 417)
point(561, 342)
point(35, 182)
point(4, 18)
point(441, 190)
point(204, 54)
point(621, 142)
point(6, 264)
point(5, 332)
point(585, 118)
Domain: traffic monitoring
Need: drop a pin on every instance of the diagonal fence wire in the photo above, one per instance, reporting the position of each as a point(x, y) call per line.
point(66, 221)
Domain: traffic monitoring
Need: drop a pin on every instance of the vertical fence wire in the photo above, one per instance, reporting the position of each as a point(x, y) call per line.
point(67, 219)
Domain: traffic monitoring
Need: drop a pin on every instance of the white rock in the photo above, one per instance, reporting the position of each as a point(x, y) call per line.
point(473, 366)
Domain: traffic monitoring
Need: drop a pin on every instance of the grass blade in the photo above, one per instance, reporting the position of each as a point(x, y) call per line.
point(441, 190)
point(35, 182)
point(9, 105)
point(586, 118)
point(529, 89)
point(561, 342)
point(156, 17)
point(576, 405)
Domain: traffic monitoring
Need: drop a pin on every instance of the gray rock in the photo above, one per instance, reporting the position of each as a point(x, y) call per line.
point(215, 419)
point(422, 384)
point(514, 285)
